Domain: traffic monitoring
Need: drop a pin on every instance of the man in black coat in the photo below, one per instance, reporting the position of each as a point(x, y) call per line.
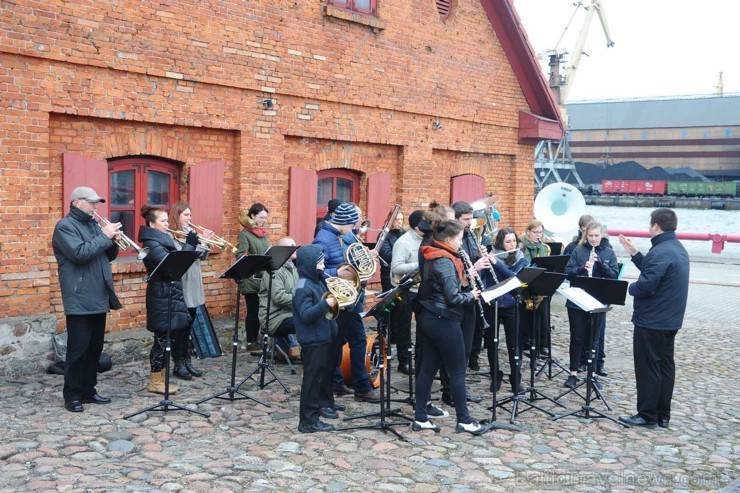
point(83, 250)
point(660, 296)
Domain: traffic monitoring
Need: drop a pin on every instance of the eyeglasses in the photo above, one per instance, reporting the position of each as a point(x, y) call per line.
point(536, 232)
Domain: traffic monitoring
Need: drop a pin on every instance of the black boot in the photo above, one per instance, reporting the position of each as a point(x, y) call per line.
point(192, 370)
point(182, 373)
point(516, 388)
point(499, 380)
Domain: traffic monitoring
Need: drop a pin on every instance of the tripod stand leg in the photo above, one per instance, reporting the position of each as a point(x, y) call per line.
point(232, 389)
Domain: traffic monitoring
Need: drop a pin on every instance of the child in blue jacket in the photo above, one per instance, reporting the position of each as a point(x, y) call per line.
point(315, 333)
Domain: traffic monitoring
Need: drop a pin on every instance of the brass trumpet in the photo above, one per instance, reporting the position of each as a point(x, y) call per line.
point(207, 243)
point(123, 241)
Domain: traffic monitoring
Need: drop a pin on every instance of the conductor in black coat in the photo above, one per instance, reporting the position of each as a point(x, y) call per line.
point(155, 237)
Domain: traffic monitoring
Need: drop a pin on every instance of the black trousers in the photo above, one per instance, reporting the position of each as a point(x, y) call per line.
point(284, 329)
point(317, 382)
point(158, 352)
point(478, 336)
point(655, 371)
point(85, 336)
point(543, 325)
point(442, 340)
point(252, 319)
point(467, 328)
point(507, 317)
point(401, 327)
point(580, 328)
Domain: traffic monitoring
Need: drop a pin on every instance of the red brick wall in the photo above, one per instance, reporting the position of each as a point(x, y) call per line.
point(185, 81)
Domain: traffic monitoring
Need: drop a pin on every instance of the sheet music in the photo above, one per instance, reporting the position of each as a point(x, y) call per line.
point(585, 301)
point(500, 289)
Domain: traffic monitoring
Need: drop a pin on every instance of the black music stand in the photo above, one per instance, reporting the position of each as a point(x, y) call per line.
point(492, 294)
point(538, 283)
point(553, 263)
point(244, 267)
point(171, 269)
point(556, 247)
point(378, 311)
point(593, 295)
point(277, 256)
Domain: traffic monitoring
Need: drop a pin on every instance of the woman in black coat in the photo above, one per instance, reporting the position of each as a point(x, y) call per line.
point(442, 301)
point(593, 257)
point(155, 237)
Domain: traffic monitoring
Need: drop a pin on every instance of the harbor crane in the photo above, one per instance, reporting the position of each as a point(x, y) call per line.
point(553, 157)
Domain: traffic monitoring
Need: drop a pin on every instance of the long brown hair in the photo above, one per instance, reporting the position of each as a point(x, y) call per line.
point(175, 212)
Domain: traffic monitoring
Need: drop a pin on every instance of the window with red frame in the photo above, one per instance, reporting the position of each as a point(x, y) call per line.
point(337, 184)
point(361, 6)
point(135, 182)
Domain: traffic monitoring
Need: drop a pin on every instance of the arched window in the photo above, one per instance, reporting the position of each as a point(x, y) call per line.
point(339, 184)
point(138, 181)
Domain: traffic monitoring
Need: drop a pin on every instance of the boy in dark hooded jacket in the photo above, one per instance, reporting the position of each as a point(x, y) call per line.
point(315, 333)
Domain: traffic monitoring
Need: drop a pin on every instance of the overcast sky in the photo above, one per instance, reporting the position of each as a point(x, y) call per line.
point(661, 47)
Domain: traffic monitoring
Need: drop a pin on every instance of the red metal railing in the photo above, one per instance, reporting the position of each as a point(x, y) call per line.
point(718, 240)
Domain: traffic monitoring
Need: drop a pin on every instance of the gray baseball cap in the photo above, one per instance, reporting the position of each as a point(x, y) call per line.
point(87, 194)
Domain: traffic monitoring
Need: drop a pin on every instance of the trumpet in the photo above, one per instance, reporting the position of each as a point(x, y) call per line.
point(123, 241)
point(207, 243)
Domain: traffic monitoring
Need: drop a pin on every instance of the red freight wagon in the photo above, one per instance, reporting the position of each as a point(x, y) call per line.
point(633, 187)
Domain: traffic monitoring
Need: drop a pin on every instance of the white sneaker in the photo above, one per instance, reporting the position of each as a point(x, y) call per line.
point(424, 425)
point(435, 412)
point(473, 428)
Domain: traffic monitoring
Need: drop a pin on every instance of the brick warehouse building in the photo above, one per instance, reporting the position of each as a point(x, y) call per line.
point(225, 103)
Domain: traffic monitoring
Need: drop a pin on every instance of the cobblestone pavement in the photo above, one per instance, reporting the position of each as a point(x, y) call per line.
point(244, 446)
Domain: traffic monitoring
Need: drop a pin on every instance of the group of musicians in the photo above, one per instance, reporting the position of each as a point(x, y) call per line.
point(453, 263)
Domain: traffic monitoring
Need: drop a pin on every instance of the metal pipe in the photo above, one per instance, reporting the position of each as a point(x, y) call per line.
point(718, 240)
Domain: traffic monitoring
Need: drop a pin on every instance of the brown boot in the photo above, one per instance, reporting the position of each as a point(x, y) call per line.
point(294, 353)
point(156, 383)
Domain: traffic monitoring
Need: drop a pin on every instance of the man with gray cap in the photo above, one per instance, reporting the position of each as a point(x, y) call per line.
point(84, 250)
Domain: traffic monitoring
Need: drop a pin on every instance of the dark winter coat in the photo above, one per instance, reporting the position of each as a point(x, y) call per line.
point(334, 245)
point(504, 272)
point(662, 289)
point(606, 267)
point(386, 253)
point(312, 328)
point(441, 292)
point(83, 254)
point(157, 290)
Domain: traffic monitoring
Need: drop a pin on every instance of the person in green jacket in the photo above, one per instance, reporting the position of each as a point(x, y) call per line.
point(281, 323)
point(253, 240)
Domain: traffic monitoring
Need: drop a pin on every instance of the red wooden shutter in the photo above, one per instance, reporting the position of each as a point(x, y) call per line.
point(207, 195)
point(467, 188)
point(302, 204)
point(378, 206)
point(378, 202)
point(83, 171)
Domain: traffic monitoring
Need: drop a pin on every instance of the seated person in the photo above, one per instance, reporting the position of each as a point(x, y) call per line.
point(281, 324)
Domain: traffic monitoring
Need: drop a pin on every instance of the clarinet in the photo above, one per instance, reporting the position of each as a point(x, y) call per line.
point(483, 252)
point(476, 283)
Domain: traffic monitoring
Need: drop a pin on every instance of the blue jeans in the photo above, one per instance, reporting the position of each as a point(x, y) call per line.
point(352, 329)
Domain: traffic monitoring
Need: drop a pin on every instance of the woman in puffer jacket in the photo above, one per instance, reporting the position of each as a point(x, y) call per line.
point(155, 237)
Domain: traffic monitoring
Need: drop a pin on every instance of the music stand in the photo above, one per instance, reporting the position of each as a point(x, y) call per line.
point(413, 279)
point(171, 269)
point(277, 256)
point(244, 267)
point(541, 284)
point(378, 312)
point(553, 263)
point(593, 295)
point(488, 295)
point(556, 248)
